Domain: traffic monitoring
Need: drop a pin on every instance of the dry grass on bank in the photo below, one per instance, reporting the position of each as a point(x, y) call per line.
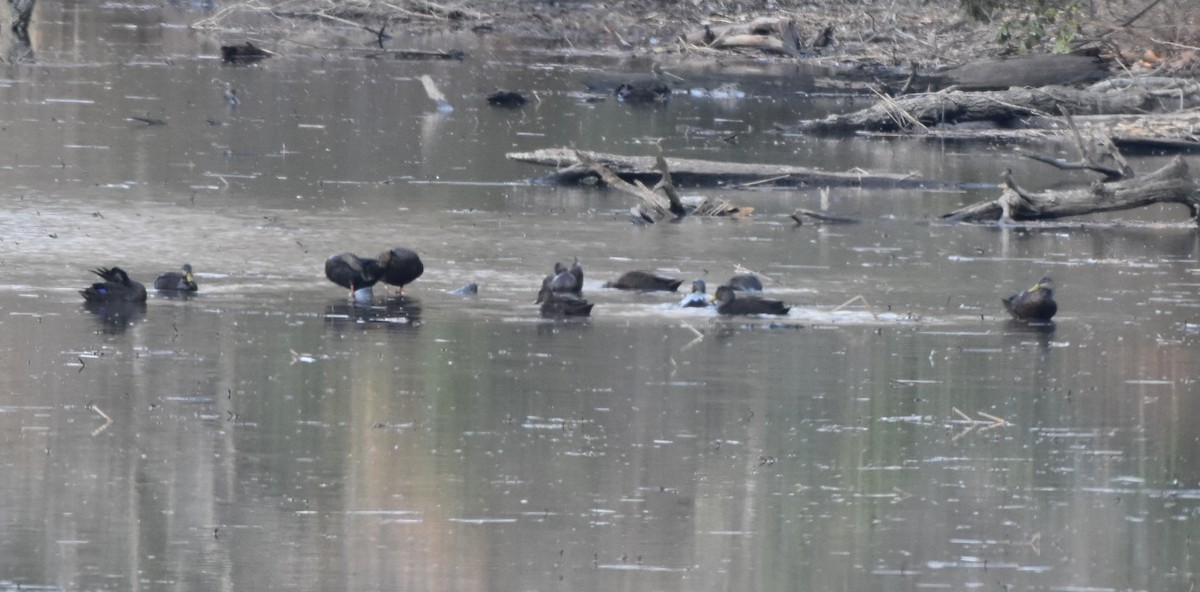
point(1144, 34)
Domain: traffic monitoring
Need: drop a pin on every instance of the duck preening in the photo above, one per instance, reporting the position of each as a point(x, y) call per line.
point(353, 272)
point(116, 287)
point(728, 303)
point(1034, 304)
point(400, 267)
point(562, 304)
point(644, 281)
point(745, 282)
point(565, 280)
point(177, 281)
point(698, 298)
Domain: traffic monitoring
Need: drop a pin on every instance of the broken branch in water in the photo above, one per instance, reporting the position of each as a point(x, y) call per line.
point(870, 309)
point(107, 420)
point(800, 213)
point(1169, 184)
point(690, 172)
point(1100, 155)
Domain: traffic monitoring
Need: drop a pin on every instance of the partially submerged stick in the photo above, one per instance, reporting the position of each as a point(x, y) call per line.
point(435, 95)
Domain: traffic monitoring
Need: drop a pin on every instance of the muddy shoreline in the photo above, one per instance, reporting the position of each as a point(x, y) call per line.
point(856, 39)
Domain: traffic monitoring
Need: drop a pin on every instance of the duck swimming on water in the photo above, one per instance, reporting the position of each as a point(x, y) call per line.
point(177, 281)
point(116, 287)
point(644, 281)
point(698, 298)
point(745, 282)
point(1034, 304)
point(561, 304)
point(728, 303)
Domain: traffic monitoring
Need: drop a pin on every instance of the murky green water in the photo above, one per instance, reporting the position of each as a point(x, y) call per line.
point(266, 435)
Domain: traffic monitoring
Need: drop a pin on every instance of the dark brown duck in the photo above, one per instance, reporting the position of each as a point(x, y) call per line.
point(401, 267)
point(729, 303)
point(1034, 304)
point(177, 281)
point(116, 287)
point(644, 281)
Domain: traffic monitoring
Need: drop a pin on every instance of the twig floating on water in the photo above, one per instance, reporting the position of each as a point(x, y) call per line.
point(107, 420)
point(435, 95)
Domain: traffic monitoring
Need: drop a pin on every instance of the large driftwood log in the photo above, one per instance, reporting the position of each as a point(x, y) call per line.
point(1170, 184)
point(707, 173)
point(1032, 71)
point(1002, 107)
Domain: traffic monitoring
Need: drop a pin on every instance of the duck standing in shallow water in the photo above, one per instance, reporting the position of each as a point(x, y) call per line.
point(561, 304)
point(1034, 304)
point(351, 271)
point(698, 298)
point(177, 281)
point(728, 303)
point(400, 267)
point(644, 281)
point(116, 287)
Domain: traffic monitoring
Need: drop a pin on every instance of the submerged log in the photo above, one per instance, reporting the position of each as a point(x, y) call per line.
point(1170, 184)
point(244, 53)
point(706, 173)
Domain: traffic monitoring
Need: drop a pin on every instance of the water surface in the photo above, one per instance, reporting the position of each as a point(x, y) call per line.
point(265, 434)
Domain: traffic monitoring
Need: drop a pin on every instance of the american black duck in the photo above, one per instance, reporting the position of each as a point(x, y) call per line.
point(470, 289)
point(401, 267)
point(565, 280)
point(698, 298)
point(643, 90)
point(116, 287)
point(577, 271)
point(561, 304)
point(351, 271)
point(645, 281)
point(177, 281)
point(244, 53)
point(506, 98)
point(728, 303)
point(745, 282)
point(1034, 304)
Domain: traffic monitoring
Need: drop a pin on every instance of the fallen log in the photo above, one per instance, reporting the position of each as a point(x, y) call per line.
point(1004, 108)
point(706, 173)
point(1169, 184)
point(1033, 71)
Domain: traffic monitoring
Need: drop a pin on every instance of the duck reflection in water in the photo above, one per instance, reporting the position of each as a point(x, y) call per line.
point(116, 317)
point(394, 312)
point(1023, 331)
